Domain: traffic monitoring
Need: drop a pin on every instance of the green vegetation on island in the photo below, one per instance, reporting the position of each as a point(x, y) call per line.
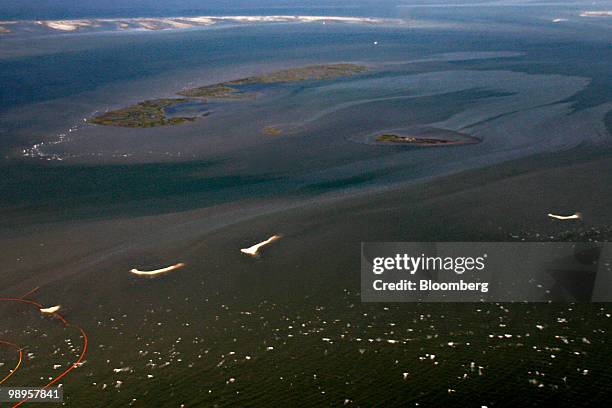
point(142, 115)
point(393, 138)
point(313, 72)
point(151, 113)
point(212, 91)
point(309, 73)
point(389, 137)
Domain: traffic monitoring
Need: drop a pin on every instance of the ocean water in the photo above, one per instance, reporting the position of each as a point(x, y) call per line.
point(418, 77)
point(85, 204)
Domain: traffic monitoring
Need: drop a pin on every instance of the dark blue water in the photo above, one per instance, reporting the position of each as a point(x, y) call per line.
point(112, 57)
point(58, 68)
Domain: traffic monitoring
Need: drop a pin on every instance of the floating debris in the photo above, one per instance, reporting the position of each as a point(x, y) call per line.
point(254, 250)
point(50, 310)
point(576, 216)
point(157, 271)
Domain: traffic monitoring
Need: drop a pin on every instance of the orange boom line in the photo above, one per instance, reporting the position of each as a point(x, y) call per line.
point(16, 347)
point(66, 323)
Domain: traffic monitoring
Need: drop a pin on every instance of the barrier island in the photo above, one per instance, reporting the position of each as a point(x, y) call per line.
point(151, 113)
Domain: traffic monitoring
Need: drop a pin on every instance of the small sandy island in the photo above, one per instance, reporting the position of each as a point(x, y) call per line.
point(420, 141)
point(423, 137)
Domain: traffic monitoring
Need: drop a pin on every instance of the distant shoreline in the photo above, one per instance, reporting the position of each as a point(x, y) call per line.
point(172, 23)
